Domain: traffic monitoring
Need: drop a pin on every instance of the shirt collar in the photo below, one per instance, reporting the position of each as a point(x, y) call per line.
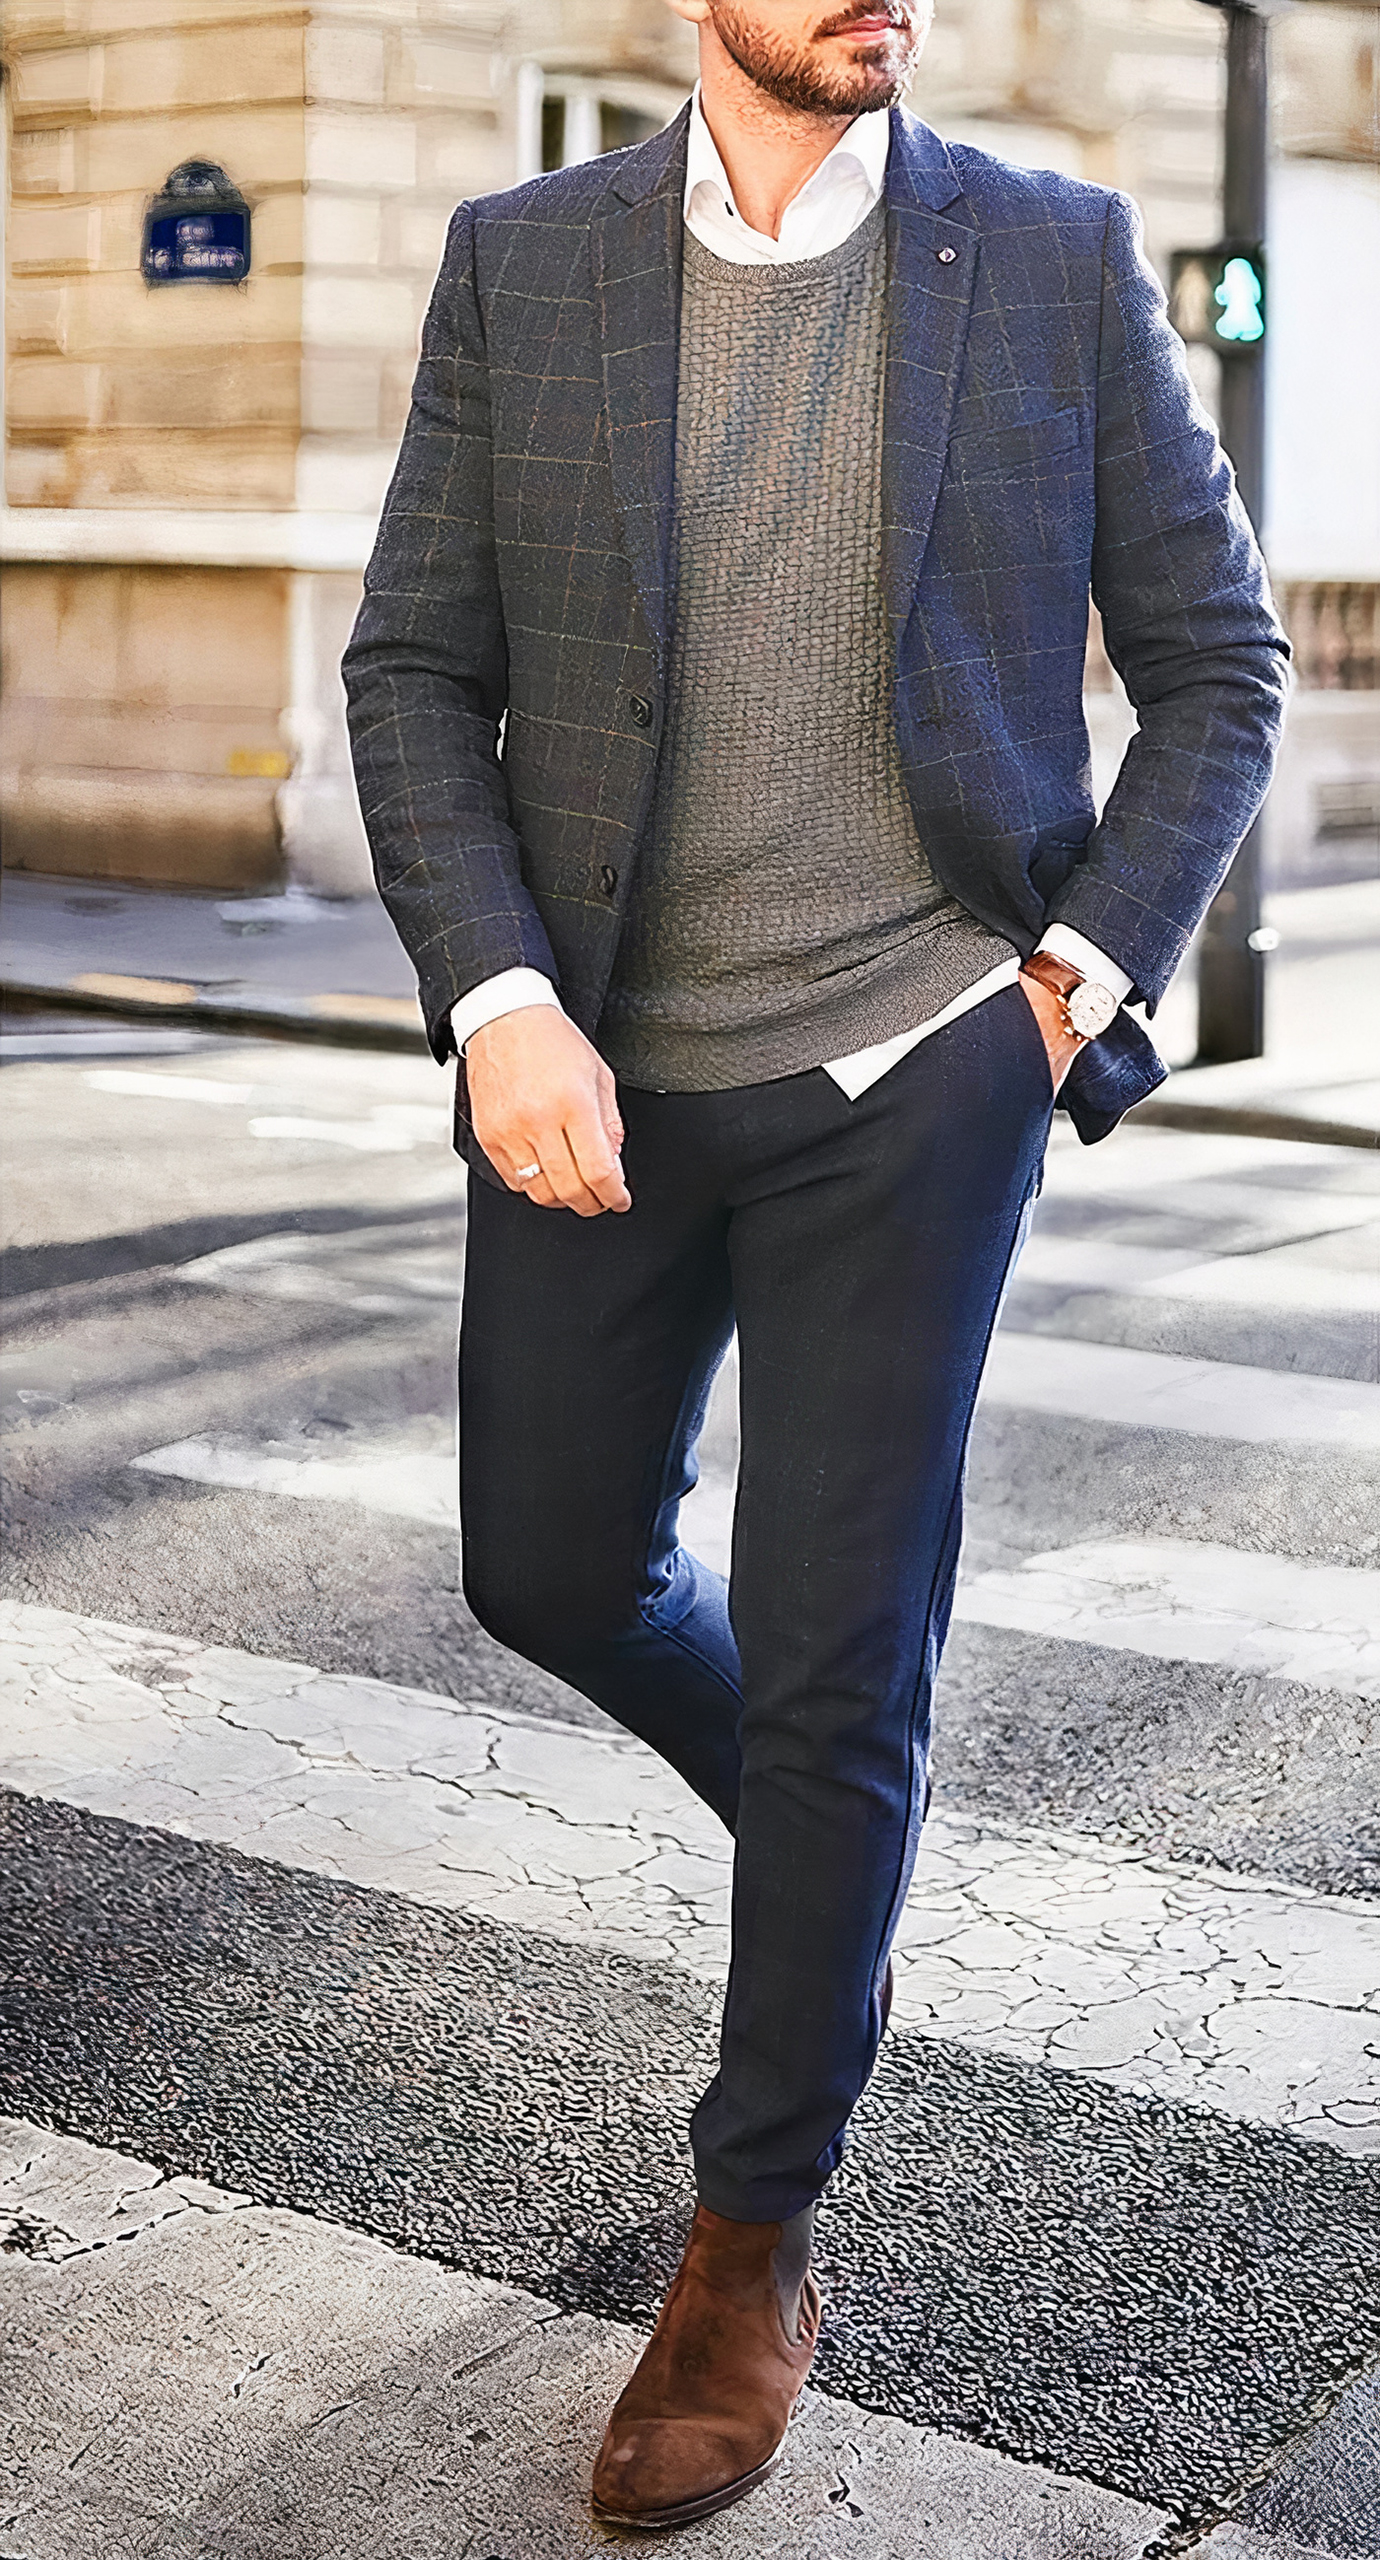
point(863, 148)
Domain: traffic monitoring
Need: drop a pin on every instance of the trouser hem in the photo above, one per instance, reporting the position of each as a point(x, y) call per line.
point(772, 2200)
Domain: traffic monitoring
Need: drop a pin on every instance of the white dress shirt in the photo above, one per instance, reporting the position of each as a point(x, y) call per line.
point(830, 205)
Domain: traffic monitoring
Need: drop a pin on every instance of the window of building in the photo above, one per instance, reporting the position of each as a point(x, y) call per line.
point(563, 117)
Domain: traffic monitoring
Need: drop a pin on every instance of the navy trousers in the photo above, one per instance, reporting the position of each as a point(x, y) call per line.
point(861, 1249)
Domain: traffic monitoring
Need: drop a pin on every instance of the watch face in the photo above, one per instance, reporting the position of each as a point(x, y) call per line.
point(1090, 1009)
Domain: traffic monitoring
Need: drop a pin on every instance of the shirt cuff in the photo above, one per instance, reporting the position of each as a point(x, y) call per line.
point(509, 992)
point(1083, 956)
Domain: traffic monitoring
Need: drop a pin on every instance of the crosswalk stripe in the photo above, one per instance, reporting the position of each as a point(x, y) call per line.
point(391, 1128)
point(412, 1484)
point(369, 1137)
point(146, 1085)
point(1255, 1279)
point(1174, 1599)
point(1160, 1391)
point(1258, 2000)
point(1183, 1602)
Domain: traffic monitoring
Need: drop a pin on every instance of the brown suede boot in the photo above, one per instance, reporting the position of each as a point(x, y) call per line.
point(705, 2415)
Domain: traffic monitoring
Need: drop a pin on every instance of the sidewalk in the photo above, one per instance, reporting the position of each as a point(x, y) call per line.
point(311, 968)
point(333, 969)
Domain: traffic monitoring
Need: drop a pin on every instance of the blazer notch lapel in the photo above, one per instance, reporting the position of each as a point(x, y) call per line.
point(636, 253)
point(931, 276)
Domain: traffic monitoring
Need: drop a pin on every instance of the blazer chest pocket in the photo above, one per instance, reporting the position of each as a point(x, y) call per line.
point(990, 453)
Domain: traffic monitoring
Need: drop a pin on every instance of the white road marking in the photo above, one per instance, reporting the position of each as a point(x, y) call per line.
point(1260, 1280)
point(1158, 1391)
point(1183, 1602)
point(411, 1483)
point(155, 1088)
point(391, 1128)
point(1259, 2000)
point(1255, 1279)
point(220, 2331)
point(706, 1519)
point(1187, 1167)
point(372, 1137)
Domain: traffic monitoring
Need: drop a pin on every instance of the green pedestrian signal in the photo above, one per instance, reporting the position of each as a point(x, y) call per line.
point(1240, 293)
point(1217, 296)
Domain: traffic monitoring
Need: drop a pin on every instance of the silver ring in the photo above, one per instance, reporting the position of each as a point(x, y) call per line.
point(526, 1173)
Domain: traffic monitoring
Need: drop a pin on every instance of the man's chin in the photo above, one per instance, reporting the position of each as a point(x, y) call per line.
point(864, 76)
point(858, 96)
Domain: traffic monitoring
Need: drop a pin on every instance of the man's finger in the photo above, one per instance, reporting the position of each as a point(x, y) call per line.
point(594, 1153)
point(557, 1183)
point(568, 1181)
point(510, 1161)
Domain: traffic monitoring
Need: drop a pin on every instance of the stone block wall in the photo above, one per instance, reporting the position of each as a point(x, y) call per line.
point(142, 716)
point(405, 111)
point(118, 395)
point(143, 706)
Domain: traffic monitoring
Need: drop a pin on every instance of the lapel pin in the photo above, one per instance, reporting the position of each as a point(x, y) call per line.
point(946, 257)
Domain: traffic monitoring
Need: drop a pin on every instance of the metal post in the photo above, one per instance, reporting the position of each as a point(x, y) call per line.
point(1231, 968)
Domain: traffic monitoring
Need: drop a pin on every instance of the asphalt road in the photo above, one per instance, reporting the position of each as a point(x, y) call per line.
point(232, 1274)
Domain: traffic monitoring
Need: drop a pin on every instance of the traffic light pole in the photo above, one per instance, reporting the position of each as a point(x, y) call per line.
point(1231, 963)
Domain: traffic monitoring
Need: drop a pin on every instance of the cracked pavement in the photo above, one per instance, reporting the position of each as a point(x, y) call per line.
point(1261, 2000)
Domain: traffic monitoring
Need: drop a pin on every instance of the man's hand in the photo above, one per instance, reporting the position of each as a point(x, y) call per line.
point(539, 1094)
point(1061, 1044)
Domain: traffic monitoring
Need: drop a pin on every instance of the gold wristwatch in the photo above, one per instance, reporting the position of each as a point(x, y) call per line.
point(1088, 1008)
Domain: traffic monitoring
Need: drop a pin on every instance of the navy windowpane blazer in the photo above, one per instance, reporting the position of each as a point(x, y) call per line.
point(1041, 442)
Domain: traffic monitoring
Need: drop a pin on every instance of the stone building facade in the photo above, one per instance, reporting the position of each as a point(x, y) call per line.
point(192, 471)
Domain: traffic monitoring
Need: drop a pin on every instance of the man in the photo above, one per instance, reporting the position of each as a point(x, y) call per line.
point(717, 715)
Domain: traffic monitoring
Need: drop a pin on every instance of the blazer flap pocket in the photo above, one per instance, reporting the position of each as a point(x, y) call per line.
point(979, 453)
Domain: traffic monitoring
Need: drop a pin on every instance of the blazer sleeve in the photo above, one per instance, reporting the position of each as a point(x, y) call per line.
point(426, 677)
point(1190, 628)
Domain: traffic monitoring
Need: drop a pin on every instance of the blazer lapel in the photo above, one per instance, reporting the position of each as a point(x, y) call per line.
point(931, 272)
point(636, 255)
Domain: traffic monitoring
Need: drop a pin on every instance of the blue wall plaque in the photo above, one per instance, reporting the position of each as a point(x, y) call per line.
point(197, 230)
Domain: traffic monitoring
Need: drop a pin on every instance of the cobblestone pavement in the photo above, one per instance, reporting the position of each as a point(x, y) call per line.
point(312, 1895)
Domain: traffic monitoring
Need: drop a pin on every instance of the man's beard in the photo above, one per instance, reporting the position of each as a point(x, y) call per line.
point(797, 79)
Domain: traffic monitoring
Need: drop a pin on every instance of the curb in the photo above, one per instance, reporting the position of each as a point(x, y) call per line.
point(346, 1021)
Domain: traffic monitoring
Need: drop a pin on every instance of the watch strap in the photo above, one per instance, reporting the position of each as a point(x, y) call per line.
point(1060, 976)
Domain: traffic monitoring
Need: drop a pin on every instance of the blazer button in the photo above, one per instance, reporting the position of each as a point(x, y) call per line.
point(608, 879)
point(641, 710)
